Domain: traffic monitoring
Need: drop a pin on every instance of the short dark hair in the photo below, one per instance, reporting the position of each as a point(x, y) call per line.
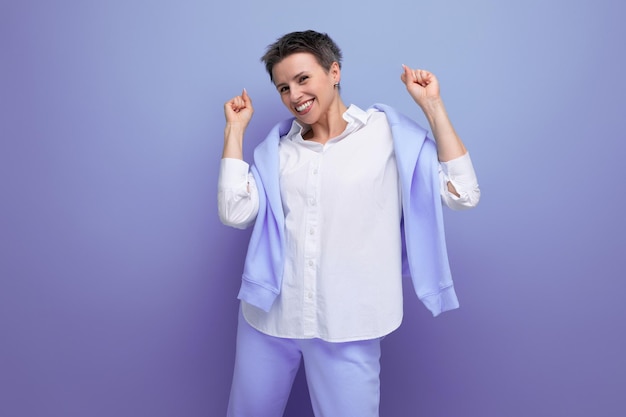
point(318, 44)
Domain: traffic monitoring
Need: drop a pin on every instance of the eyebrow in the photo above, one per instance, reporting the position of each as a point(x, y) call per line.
point(293, 78)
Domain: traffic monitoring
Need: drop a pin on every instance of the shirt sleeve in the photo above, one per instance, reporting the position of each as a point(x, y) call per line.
point(459, 172)
point(237, 195)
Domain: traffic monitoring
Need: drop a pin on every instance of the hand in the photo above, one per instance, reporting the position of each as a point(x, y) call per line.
point(238, 110)
point(421, 84)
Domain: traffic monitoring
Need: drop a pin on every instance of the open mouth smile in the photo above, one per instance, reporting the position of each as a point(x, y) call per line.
point(304, 106)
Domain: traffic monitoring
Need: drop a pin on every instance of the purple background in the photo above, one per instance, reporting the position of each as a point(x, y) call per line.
point(118, 283)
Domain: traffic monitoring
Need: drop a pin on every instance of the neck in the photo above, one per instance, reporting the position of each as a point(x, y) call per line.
point(330, 125)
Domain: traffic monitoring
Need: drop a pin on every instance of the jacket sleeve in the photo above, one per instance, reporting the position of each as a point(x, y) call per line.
point(425, 256)
point(263, 268)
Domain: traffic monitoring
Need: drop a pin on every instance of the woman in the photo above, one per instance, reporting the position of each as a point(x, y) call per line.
point(343, 202)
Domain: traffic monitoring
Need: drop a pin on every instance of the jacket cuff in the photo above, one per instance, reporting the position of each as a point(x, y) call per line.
point(256, 295)
point(441, 302)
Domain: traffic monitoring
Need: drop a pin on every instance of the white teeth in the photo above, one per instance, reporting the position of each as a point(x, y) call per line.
point(304, 106)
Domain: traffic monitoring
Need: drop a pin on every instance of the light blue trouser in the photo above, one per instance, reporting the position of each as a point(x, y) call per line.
point(343, 378)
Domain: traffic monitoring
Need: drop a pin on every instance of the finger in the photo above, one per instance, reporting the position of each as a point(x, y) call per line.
point(418, 77)
point(231, 104)
point(236, 104)
point(429, 77)
point(423, 77)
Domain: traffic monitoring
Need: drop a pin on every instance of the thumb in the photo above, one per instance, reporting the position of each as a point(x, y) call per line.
point(246, 98)
point(408, 75)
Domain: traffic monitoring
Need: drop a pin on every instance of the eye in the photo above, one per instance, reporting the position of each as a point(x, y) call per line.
point(283, 89)
point(303, 78)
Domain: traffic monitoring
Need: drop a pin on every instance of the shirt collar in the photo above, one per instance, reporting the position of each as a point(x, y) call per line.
point(356, 115)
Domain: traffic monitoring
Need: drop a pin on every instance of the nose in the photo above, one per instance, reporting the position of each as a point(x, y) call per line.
point(294, 93)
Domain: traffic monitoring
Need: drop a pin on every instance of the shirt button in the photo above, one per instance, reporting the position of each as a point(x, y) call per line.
point(309, 295)
point(310, 263)
point(313, 202)
point(311, 231)
point(315, 171)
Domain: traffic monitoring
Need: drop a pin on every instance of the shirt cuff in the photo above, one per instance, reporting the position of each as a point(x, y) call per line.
point(458, 167)
point(233, 172)
point(460, 172)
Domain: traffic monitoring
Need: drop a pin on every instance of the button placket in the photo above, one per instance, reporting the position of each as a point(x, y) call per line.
point(311, 250)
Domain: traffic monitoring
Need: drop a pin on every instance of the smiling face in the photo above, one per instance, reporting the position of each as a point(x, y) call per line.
point(305, 87)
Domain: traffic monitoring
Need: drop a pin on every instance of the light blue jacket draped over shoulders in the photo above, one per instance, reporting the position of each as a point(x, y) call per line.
point(425, 257)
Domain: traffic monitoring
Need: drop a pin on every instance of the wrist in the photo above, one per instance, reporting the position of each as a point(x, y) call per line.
point(432, 107)
point(233, 146)
point(235, 128)
point(234, 133)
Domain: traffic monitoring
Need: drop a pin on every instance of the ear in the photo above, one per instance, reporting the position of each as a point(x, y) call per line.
point(335, 72)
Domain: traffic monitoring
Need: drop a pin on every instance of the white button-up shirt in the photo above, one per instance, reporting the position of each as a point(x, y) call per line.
point(342, 279)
